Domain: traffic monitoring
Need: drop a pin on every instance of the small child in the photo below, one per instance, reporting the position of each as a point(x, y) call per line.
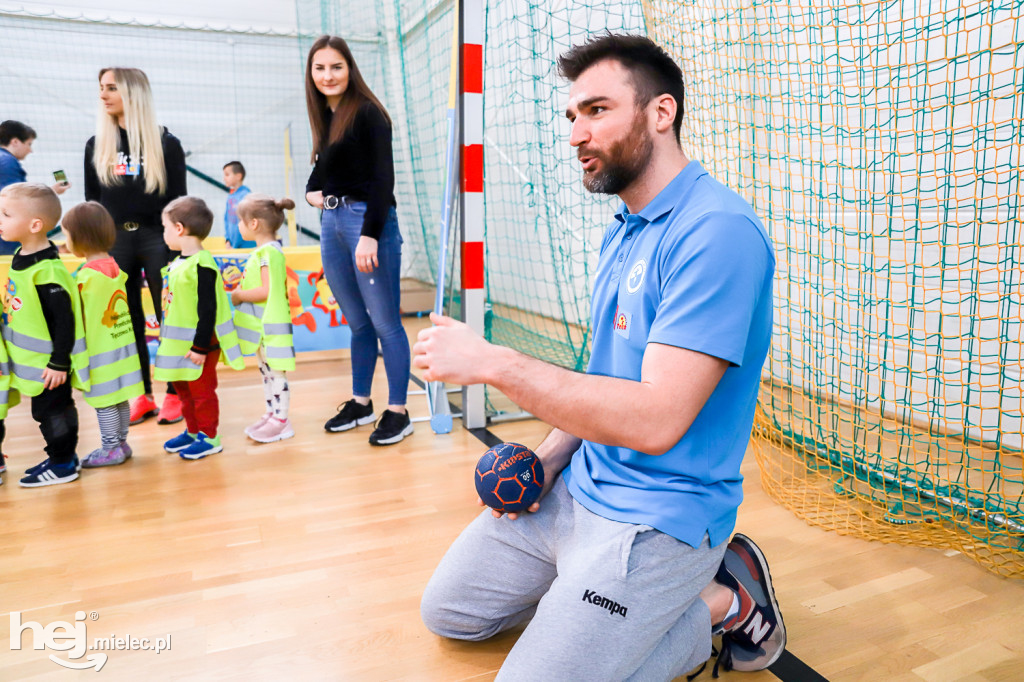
point(115, 376)
point(8, 396)
point(263, 319)
point(197, 329)
point(44, 333)
point(234, 176)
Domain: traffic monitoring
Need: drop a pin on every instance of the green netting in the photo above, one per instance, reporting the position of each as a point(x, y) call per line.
point(881, 142)
point(543, 228)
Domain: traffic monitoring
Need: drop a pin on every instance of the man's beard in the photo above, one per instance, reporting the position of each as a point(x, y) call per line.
point(625, 161)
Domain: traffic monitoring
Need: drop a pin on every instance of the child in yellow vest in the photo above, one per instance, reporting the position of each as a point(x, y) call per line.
point(8, 396)
point(115, 376)
point(262, 315)
point(43, 330)
point(197, 329)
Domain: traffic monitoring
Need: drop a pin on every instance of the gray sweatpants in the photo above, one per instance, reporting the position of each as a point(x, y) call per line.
point(609, 600)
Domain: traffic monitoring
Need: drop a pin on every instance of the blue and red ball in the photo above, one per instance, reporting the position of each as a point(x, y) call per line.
point(509, 477)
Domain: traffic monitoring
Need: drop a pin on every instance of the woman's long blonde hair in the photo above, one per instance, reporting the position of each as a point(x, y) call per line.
point(144, 135)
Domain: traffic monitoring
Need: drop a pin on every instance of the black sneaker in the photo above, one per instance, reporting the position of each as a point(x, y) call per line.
point(350, 415)
point(392, 427)
point(48, 473)
point(32, 471)
point(757, 636)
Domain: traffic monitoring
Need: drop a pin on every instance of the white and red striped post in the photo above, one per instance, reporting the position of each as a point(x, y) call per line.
point(471, 131)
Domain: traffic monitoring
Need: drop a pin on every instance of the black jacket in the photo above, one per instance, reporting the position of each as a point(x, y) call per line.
point(360, 166)
point(127, 199)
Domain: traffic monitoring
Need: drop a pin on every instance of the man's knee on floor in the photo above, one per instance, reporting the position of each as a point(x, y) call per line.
point(442, 619)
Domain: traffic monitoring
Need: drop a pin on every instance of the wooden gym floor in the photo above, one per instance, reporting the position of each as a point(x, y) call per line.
point(305, 559)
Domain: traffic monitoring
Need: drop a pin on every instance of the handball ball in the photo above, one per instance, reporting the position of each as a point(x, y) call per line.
point(509, 477)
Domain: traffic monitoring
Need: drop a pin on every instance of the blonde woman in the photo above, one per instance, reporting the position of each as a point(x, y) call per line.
point(134, 168)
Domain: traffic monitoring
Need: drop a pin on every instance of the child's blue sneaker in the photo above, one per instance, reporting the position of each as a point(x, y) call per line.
point(180, 442)
point(202, 447)
point(48, 473)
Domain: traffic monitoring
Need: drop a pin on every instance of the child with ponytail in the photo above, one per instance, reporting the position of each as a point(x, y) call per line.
point(262, 317)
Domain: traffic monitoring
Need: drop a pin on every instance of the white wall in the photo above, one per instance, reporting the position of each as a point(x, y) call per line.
point(226, 94)
point(264, 15)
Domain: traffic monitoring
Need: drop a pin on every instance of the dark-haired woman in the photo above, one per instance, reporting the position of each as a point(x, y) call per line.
point(353, 182)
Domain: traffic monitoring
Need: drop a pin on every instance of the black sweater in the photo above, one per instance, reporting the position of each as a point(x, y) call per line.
point(127, 199)
point(206, 306)
point(360, 166)
point(56, 304)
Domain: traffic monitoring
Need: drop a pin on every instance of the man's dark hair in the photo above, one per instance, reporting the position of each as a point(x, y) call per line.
point(11, 130)
point(236, 167)
point(654, 72)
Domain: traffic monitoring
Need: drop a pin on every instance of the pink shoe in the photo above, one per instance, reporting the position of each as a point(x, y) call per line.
point(141, 409)
point(273, 430)
point(170, 412)
point(258, 423)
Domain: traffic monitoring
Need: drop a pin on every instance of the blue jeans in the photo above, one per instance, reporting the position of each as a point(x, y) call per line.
point(370, 301)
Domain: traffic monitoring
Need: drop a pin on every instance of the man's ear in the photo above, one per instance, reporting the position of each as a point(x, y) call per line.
point(665, 110)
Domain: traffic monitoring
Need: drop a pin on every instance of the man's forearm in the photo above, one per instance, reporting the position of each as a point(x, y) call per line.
point(649, 415)
point(601, 409)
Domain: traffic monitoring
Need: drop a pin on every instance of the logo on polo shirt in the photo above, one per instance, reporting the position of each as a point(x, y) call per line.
point(636, 276)
point(621, 324)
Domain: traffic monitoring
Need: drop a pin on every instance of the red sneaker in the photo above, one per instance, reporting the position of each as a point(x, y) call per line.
point(143, 407)
point(170, 413)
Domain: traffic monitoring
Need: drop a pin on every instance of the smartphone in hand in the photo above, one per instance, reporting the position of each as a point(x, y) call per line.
point(60, 176)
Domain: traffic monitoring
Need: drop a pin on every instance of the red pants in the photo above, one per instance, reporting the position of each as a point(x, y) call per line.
point(199, 401)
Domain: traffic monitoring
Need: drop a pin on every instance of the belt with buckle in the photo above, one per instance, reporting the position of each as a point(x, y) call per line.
point(130, 226)
point(332, 202)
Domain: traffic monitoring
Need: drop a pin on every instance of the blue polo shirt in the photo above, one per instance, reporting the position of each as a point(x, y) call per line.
point(694, 270)
point(231, 233)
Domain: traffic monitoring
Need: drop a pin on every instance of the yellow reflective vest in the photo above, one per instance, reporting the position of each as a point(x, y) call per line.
point(28, 340)
point(269, 322)
point(114, 372)
point(9, 397)
point(178, 329)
